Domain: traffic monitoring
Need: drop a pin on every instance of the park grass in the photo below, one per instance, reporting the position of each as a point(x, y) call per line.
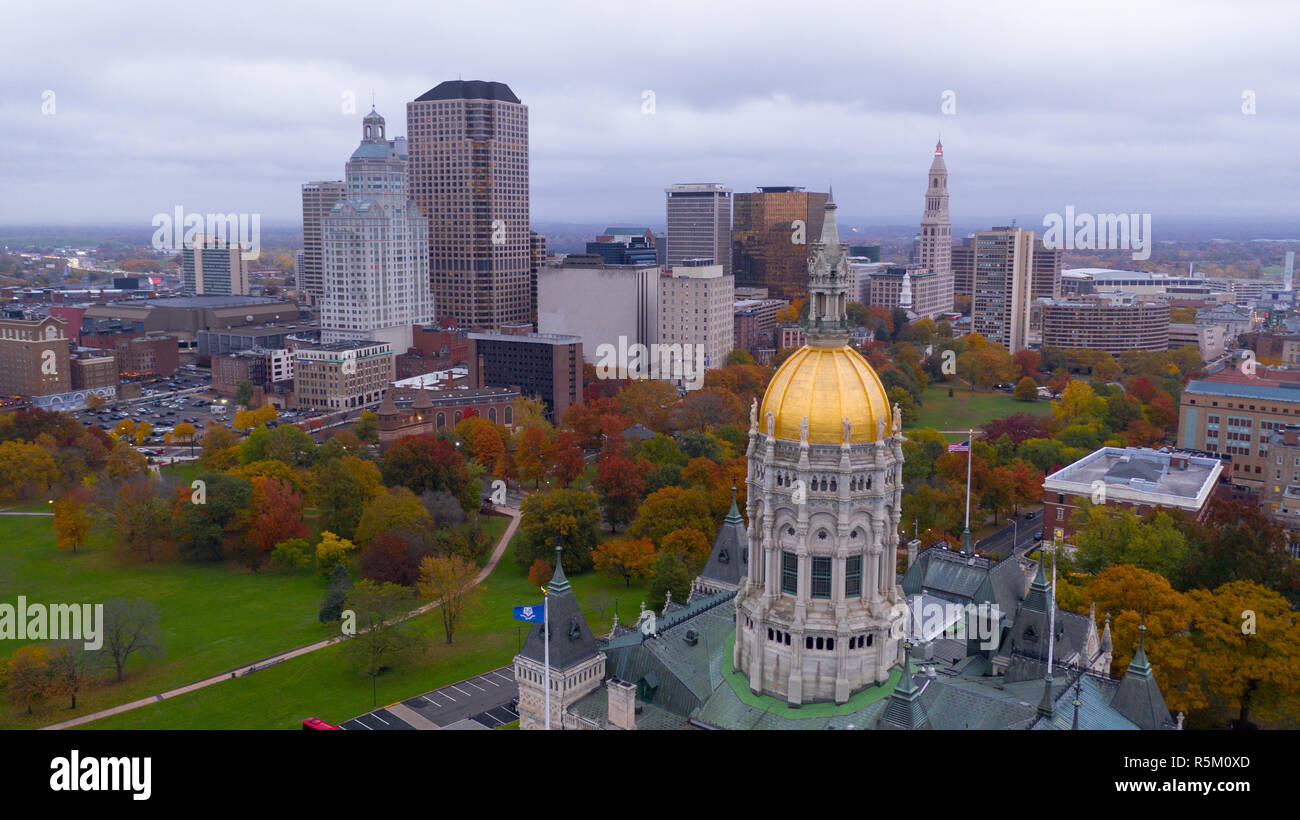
point(969, 409)
point(212, 617)
point(322, 683)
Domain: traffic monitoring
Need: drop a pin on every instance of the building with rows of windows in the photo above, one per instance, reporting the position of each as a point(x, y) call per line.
point(800, 620)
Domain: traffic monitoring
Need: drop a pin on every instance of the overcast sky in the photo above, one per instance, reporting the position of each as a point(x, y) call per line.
point(229, 107)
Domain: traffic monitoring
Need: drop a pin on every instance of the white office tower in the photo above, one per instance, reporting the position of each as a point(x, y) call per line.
point(375, 249)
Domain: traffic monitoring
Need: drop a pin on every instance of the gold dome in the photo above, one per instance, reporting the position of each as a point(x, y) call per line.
point(827, 385)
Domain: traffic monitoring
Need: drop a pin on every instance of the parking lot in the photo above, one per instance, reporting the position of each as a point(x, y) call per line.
point(485, 700)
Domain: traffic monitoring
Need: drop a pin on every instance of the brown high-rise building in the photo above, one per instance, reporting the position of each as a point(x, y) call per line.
point(34, 357)
point(469, 171)
point(766, 247)
point(317, 200)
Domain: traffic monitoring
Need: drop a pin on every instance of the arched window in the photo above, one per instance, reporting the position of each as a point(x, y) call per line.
point(442, 420)
point(492, 415)
point(510, 415)
point(457, 416)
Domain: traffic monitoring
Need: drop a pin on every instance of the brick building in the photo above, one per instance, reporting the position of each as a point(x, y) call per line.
point(1136, 478)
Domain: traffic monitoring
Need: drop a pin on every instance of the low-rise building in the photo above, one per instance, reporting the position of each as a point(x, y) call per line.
point(1208, 339)
point(1235, 415)
point(1136, 478)
point(342, 375)
point(1280, 495)
point(1112, 322)
point(34, 355)
point(411, 411)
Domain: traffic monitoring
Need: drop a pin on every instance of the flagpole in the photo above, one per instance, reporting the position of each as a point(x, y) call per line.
point(546, 653)
point(1051, 617)
point(965, 535)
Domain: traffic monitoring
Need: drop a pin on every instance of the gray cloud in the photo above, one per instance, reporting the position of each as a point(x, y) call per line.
point(1106, 106)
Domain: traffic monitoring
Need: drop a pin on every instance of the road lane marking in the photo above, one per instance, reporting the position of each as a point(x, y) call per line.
point(463, 692)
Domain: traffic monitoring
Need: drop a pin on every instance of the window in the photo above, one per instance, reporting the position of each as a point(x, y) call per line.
point(789, 573)
point(821, 576)
point(1060, 513)
point(853, 576)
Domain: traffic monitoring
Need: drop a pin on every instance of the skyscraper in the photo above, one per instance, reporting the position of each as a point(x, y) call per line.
point(699, 224)
point(1003, 281)
point(317, 200)
point(469, 171)
point(935, 248)
point(375, 247)
point(770, 239)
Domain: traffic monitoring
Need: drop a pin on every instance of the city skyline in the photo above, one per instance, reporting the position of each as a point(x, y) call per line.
point(1125, 122)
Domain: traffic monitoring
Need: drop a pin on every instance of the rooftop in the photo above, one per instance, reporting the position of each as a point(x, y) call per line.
point(1138, 474)
point(469, 90)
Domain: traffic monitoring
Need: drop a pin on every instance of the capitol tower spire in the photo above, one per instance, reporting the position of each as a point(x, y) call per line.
point(936, 228)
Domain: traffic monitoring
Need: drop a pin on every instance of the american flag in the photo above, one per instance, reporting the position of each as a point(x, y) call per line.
point(964, 447)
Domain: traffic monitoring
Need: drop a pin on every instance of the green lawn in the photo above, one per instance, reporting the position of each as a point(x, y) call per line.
point(321, 684)
point(970, 409)
point(212, 617)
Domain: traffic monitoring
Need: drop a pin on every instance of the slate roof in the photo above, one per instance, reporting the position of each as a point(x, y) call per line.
point(728, 561)
point(954, 576)
point(469, 90)
point(1138, 697)
point(571, 638)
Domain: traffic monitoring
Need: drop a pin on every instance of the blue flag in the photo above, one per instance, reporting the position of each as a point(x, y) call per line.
point(534, 613)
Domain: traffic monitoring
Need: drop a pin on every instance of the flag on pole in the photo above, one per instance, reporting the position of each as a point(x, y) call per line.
point(964, 447)
point(533, 613)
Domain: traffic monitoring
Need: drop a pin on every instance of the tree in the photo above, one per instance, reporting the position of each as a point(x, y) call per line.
point(220, 448)
point(647, 401)
point(398, 510)
point(205, 527)
point(426, 462)
point(130, 628)
point(293, 554)
point(136, 514)
point(689, 543)
point(1106, 536)
point(570, 517)
point(739, 356)
point(707, 408)
point(540, 572)
point(1247, 644)
point(331, 550)
point(1026, 390)
point(185, 432)
point(1078, 404)
point(669, 575)
point(27, 676)
point(1026, 363)
point(449, 582)
point(669, 509)
point(1134, 597)
point(336, 594)
point(625, 558)
point(530, 411)
point(566, 462)
point(143, 431)
point(1240, 542)
point(277, 514)
point(68, 670)
point(72, 518)
point(367, 427)
point(620, 486)
point(392, 557)
point(26, 470)
point(244, 393)
point(532, 455)
point(380, 639)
